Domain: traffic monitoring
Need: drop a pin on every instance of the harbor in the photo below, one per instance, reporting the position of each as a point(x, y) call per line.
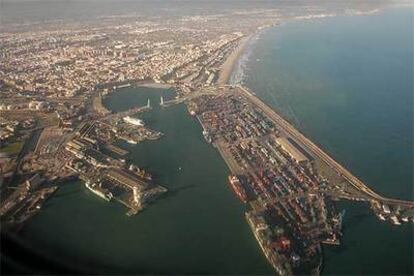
point(278, 169)
point(279, 205)
point(110, 177)
point(178, 220)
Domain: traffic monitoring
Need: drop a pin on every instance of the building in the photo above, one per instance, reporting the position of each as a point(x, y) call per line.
point(33, 182)
point(128, 179)
point(293, 151)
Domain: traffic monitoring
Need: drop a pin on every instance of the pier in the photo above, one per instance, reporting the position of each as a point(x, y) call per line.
point(117, 150)
point(129, 112)
point(171, 102)
point(98, 105)
point(205, 92)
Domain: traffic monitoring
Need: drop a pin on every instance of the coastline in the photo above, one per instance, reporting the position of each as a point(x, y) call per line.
point(229, 65)
point(228, 69)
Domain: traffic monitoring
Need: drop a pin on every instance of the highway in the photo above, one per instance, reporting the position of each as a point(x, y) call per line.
point(302, 140)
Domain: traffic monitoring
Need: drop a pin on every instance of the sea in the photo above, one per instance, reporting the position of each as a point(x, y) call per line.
point(345, 82)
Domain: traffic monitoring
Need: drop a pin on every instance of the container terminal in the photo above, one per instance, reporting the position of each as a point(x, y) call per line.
point(289, 185)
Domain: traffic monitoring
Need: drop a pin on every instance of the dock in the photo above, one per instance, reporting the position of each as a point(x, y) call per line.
point(117, 150)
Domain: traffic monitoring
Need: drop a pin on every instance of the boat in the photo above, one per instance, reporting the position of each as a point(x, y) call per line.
point(99, 191)
point(395, 220)
point(133, 121)
point(277, 261)
point(207, 136)
point(332, 240)
point(238, 188)
point(381, 217)
point(132, 142)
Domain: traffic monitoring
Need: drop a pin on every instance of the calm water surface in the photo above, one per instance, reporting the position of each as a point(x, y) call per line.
point(198, 227)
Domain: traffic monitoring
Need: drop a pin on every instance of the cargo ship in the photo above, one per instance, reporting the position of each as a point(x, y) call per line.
point(238, 188)
point(97, 190)
point(259, 229)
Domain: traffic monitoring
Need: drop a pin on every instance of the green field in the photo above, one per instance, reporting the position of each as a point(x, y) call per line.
point(12, 149)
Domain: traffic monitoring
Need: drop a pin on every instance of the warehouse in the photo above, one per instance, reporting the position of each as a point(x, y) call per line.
point(127, 179)
point(295, 153)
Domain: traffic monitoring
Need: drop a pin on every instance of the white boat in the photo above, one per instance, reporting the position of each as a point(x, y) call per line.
point(207, 136)
point(381, 217)
point(395, 221)
point(386, 208)
point(131, 142)
point(94, 188)
point(133, 121)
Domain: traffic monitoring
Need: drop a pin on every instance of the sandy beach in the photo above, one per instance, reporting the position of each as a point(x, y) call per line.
point(228, 65)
